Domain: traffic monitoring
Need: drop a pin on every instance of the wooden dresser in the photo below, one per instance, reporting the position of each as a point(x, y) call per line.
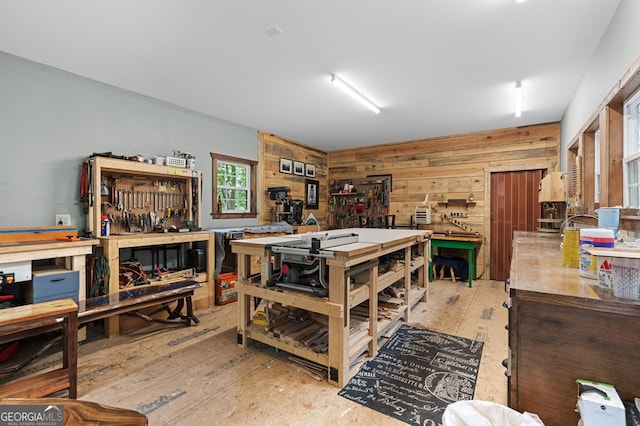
point(563, 327)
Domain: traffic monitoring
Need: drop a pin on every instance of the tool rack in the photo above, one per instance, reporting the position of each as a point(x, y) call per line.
point(130, 193)
point(171, 193)
point(360, 203)
point(341, 358)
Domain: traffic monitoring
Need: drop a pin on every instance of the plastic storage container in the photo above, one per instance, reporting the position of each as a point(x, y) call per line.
point(609, 218)
point(226, 288)
point(626, 277)
point(593, 238)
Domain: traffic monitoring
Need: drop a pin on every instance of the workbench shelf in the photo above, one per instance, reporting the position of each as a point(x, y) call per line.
point(388, 278)
point(353, 282)
point(359, 295)
point(259, 334)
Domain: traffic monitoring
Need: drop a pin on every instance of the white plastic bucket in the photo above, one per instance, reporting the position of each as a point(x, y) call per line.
point(605, 271)
point(593, 238)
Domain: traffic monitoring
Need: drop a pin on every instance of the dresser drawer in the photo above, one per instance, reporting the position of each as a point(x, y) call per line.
point(53, 284)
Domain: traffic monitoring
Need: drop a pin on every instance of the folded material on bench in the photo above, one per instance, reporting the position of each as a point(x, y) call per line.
point(459, 265)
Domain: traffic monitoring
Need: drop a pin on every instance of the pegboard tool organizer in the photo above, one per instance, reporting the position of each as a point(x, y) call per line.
point(141, 197)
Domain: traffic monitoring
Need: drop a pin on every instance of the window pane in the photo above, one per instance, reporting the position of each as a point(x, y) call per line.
point(637, 126)
point(232, 187)
point(233, 179)
point(633, 182)
point(632, 151)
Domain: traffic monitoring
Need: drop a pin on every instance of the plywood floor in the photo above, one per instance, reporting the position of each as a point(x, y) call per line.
point(198, 375)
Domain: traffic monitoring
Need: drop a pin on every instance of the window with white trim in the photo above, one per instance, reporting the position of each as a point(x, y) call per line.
point(632, 151)
point(233, 183)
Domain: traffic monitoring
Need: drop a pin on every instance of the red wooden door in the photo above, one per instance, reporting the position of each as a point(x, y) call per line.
point(514, 207)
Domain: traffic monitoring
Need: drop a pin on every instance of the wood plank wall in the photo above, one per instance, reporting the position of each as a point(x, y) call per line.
point(271, 149)
point(451, 167)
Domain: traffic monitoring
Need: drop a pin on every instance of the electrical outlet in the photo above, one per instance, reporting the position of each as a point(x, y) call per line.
point(63, 219)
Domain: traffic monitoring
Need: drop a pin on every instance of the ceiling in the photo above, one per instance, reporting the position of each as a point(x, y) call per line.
point(435, 67)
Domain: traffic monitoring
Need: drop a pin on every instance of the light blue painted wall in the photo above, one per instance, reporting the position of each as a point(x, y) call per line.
point(617, 51)
point(51, 120)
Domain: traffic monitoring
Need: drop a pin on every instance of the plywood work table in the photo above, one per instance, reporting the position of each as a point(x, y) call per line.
point(564, 327)
point(362, 256)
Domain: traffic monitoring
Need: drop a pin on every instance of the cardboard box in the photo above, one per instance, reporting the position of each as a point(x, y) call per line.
point(599, 404)
point(226, 289)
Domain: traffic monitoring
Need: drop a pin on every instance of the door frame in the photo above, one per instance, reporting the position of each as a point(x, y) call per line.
point(549, 165)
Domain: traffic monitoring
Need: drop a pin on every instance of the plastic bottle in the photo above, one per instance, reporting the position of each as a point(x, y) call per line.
point(104, 229)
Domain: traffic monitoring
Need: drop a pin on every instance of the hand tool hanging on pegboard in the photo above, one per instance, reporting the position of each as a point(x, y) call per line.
point(385, 195)
point(194, 196)
point(86, 186)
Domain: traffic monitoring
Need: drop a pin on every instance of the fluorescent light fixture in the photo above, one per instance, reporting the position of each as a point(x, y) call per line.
point(518, 98)
point(354, 93)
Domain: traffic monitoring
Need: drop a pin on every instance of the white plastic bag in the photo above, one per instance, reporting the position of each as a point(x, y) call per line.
point(485, 413)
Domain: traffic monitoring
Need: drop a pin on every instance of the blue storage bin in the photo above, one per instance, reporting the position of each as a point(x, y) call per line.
point(51, 284)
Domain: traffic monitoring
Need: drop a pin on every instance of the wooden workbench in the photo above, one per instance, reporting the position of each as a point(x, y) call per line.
point(564, 327)
point(470, 244)
point(73, 252)
point(362, 256)
point(113, 244)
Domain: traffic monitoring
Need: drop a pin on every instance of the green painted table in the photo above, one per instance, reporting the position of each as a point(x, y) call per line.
point(471, 244)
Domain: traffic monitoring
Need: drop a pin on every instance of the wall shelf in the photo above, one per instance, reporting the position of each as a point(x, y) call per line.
point(457, 202)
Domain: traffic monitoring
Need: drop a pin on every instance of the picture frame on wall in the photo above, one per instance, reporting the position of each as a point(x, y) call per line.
point(311, 190)
point(298, 168)
point(309, 170)
point(286, 165)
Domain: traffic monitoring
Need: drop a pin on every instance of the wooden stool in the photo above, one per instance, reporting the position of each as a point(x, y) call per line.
point(85, 412)
point(442, 269)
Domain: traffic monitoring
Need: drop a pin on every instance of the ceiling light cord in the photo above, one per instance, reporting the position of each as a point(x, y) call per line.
point(354, 93)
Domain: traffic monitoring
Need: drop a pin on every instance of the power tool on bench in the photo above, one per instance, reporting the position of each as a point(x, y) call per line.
point(287, 210)
point(6, 279)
